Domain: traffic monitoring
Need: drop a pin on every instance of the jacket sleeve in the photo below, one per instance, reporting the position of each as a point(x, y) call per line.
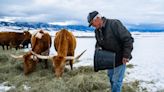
point(97, 46)
point(125, 38)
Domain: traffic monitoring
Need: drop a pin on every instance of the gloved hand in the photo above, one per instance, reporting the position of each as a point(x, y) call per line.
point(125, 60)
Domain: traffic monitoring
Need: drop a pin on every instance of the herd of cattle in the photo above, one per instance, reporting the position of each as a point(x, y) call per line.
point(64, 44)
point(14, 39)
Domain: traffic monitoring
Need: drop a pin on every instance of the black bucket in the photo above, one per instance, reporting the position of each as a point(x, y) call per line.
point(104, 60)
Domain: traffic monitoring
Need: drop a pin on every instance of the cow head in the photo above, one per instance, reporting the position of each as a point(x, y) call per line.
point(59, 65)
point(26, 38)
point(59, 62)
point(27, 35)
point(30, 62)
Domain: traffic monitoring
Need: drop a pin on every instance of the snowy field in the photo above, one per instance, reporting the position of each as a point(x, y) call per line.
point(148, 56)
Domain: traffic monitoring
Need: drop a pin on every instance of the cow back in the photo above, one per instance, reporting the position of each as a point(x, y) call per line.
point(40, 44)
point(6, 37)
point(64, 42)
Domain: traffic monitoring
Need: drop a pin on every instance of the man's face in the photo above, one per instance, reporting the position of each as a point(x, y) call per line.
point(96, 23)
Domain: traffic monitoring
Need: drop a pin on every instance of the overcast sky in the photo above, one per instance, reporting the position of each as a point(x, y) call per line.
point(76, 11)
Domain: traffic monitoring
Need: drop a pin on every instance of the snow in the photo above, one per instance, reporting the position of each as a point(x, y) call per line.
point(26, 88)
point(147, 57)
point(4, 88)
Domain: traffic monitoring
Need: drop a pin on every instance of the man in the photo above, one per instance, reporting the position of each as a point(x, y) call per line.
point(111, 35)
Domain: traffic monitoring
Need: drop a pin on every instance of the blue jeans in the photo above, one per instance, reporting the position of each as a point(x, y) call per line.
point(116, 76)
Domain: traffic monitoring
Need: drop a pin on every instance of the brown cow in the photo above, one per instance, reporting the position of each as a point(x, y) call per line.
point(20, 39)
point(65, 44)
point(14, 39)
point(41, 43)
point(5, 38)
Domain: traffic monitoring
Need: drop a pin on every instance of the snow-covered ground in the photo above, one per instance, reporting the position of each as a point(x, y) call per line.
point(148, 56)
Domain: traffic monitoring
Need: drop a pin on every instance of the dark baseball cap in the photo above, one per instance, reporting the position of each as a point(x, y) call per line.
point(90, 17)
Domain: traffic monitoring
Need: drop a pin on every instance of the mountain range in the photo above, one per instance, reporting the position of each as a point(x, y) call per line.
point(47, 26)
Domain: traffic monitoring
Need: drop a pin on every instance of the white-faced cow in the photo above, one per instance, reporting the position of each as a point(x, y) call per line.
point(41, 43)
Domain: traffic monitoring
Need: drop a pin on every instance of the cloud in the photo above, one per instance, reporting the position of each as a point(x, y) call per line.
point(65, 23)
point(57, 11)
point(8, 19)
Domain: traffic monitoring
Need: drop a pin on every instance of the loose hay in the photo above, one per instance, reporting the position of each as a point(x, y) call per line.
point(82, 79)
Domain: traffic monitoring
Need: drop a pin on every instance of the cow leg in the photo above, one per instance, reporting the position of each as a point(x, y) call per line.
point(24, 46)
point(16, 48)
point(7, 47)
point(71, 61)
point(46, 61)
point(71, 64)
point(3, 47)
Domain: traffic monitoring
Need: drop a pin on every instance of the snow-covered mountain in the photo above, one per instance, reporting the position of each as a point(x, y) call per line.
point(146, 27)
point(47, 26)
point(36, 25)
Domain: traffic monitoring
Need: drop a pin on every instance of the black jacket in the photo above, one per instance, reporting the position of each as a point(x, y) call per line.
point(113, 36)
